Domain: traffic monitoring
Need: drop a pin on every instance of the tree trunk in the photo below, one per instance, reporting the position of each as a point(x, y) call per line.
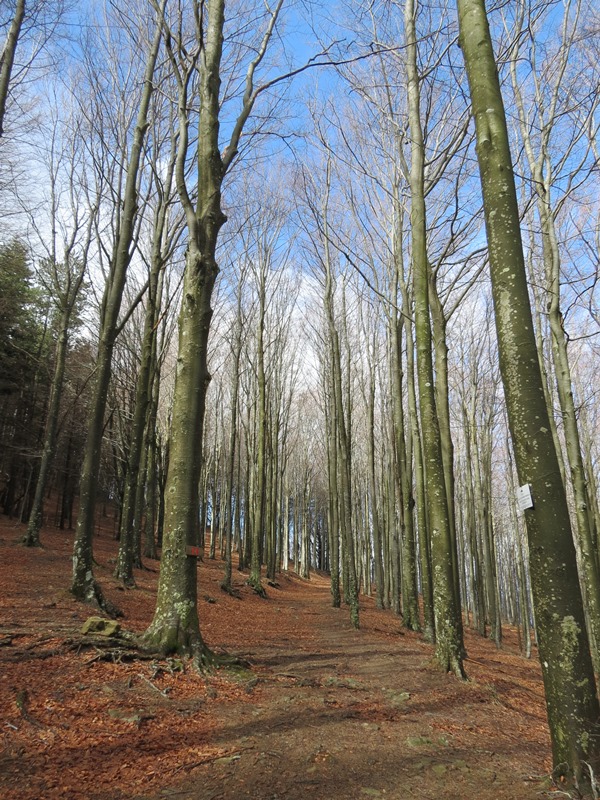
point(32, 536)
point(567, 670)
point(540, 165)
point(8, 57)
point(260, 487)
point(84, 586)
point(129, 542)
point(410, 603)
point(233, 436)
point(442, 399)
point(448, 626)
point(417, 448)
point(175, 626)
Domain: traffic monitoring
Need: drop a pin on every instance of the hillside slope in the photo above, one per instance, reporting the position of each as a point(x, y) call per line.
point(323, 710)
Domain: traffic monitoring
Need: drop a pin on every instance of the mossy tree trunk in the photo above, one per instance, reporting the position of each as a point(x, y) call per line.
point(7, 58)
point(129, 555)
point(260, 482)
point(175, 626)
point(448, 625)
point(83, 585)
point(540, 162)
point(564, 650)
point(233, 499)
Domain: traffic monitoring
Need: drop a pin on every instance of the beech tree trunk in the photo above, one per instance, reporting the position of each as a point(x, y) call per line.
point(448, 625)
point(175, 626)
point(569, 681)
point(83, 585)
point(7, 58)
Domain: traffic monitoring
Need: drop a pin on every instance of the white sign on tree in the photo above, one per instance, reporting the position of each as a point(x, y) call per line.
point(524, 498)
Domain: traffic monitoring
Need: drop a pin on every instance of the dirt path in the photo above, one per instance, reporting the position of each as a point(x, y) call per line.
point(365, 714)
point(324, 710)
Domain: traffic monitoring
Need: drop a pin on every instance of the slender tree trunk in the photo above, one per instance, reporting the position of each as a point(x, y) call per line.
point(226, 585)
point(8, 57)
point(333, 496)
point(32, 536)
point(274, 491)
point(479, 618)
point(448, 626)
point(84, 586)
point(258, 522)
point(410, 604)
point(372, 493)
point(152, 476)
point(442, 395)
point(521, 556)
point(417, 448)
point(345, 479)
point(129, 541)
point(341, 441)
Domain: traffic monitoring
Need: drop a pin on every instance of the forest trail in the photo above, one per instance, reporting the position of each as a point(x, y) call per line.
point(323, 710)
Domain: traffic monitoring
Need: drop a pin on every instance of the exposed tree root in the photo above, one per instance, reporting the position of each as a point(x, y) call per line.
point(567, 784)
point(257, 587)
point(94, 596)
point(228, 589)
point(184, 644)
point(31, 541)
point(208, 661)
point(455, 666)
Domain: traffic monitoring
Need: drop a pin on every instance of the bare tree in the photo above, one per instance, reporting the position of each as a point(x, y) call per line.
point(83, 586)
point(175, 626)
point(7, 57)
point(62, 275)
point(569, 681)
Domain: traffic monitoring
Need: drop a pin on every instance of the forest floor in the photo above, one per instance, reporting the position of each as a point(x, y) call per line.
point(322, 711)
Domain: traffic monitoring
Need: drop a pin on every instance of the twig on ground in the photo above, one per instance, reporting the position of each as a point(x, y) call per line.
point(149, 682)
point(209, 759)
point(22, 701)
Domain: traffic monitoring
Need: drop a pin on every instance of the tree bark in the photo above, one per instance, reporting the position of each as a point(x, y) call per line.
point(83, 585)
point(448, 626)
point(175, 626)
point(7, 58)
point(567, 670)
